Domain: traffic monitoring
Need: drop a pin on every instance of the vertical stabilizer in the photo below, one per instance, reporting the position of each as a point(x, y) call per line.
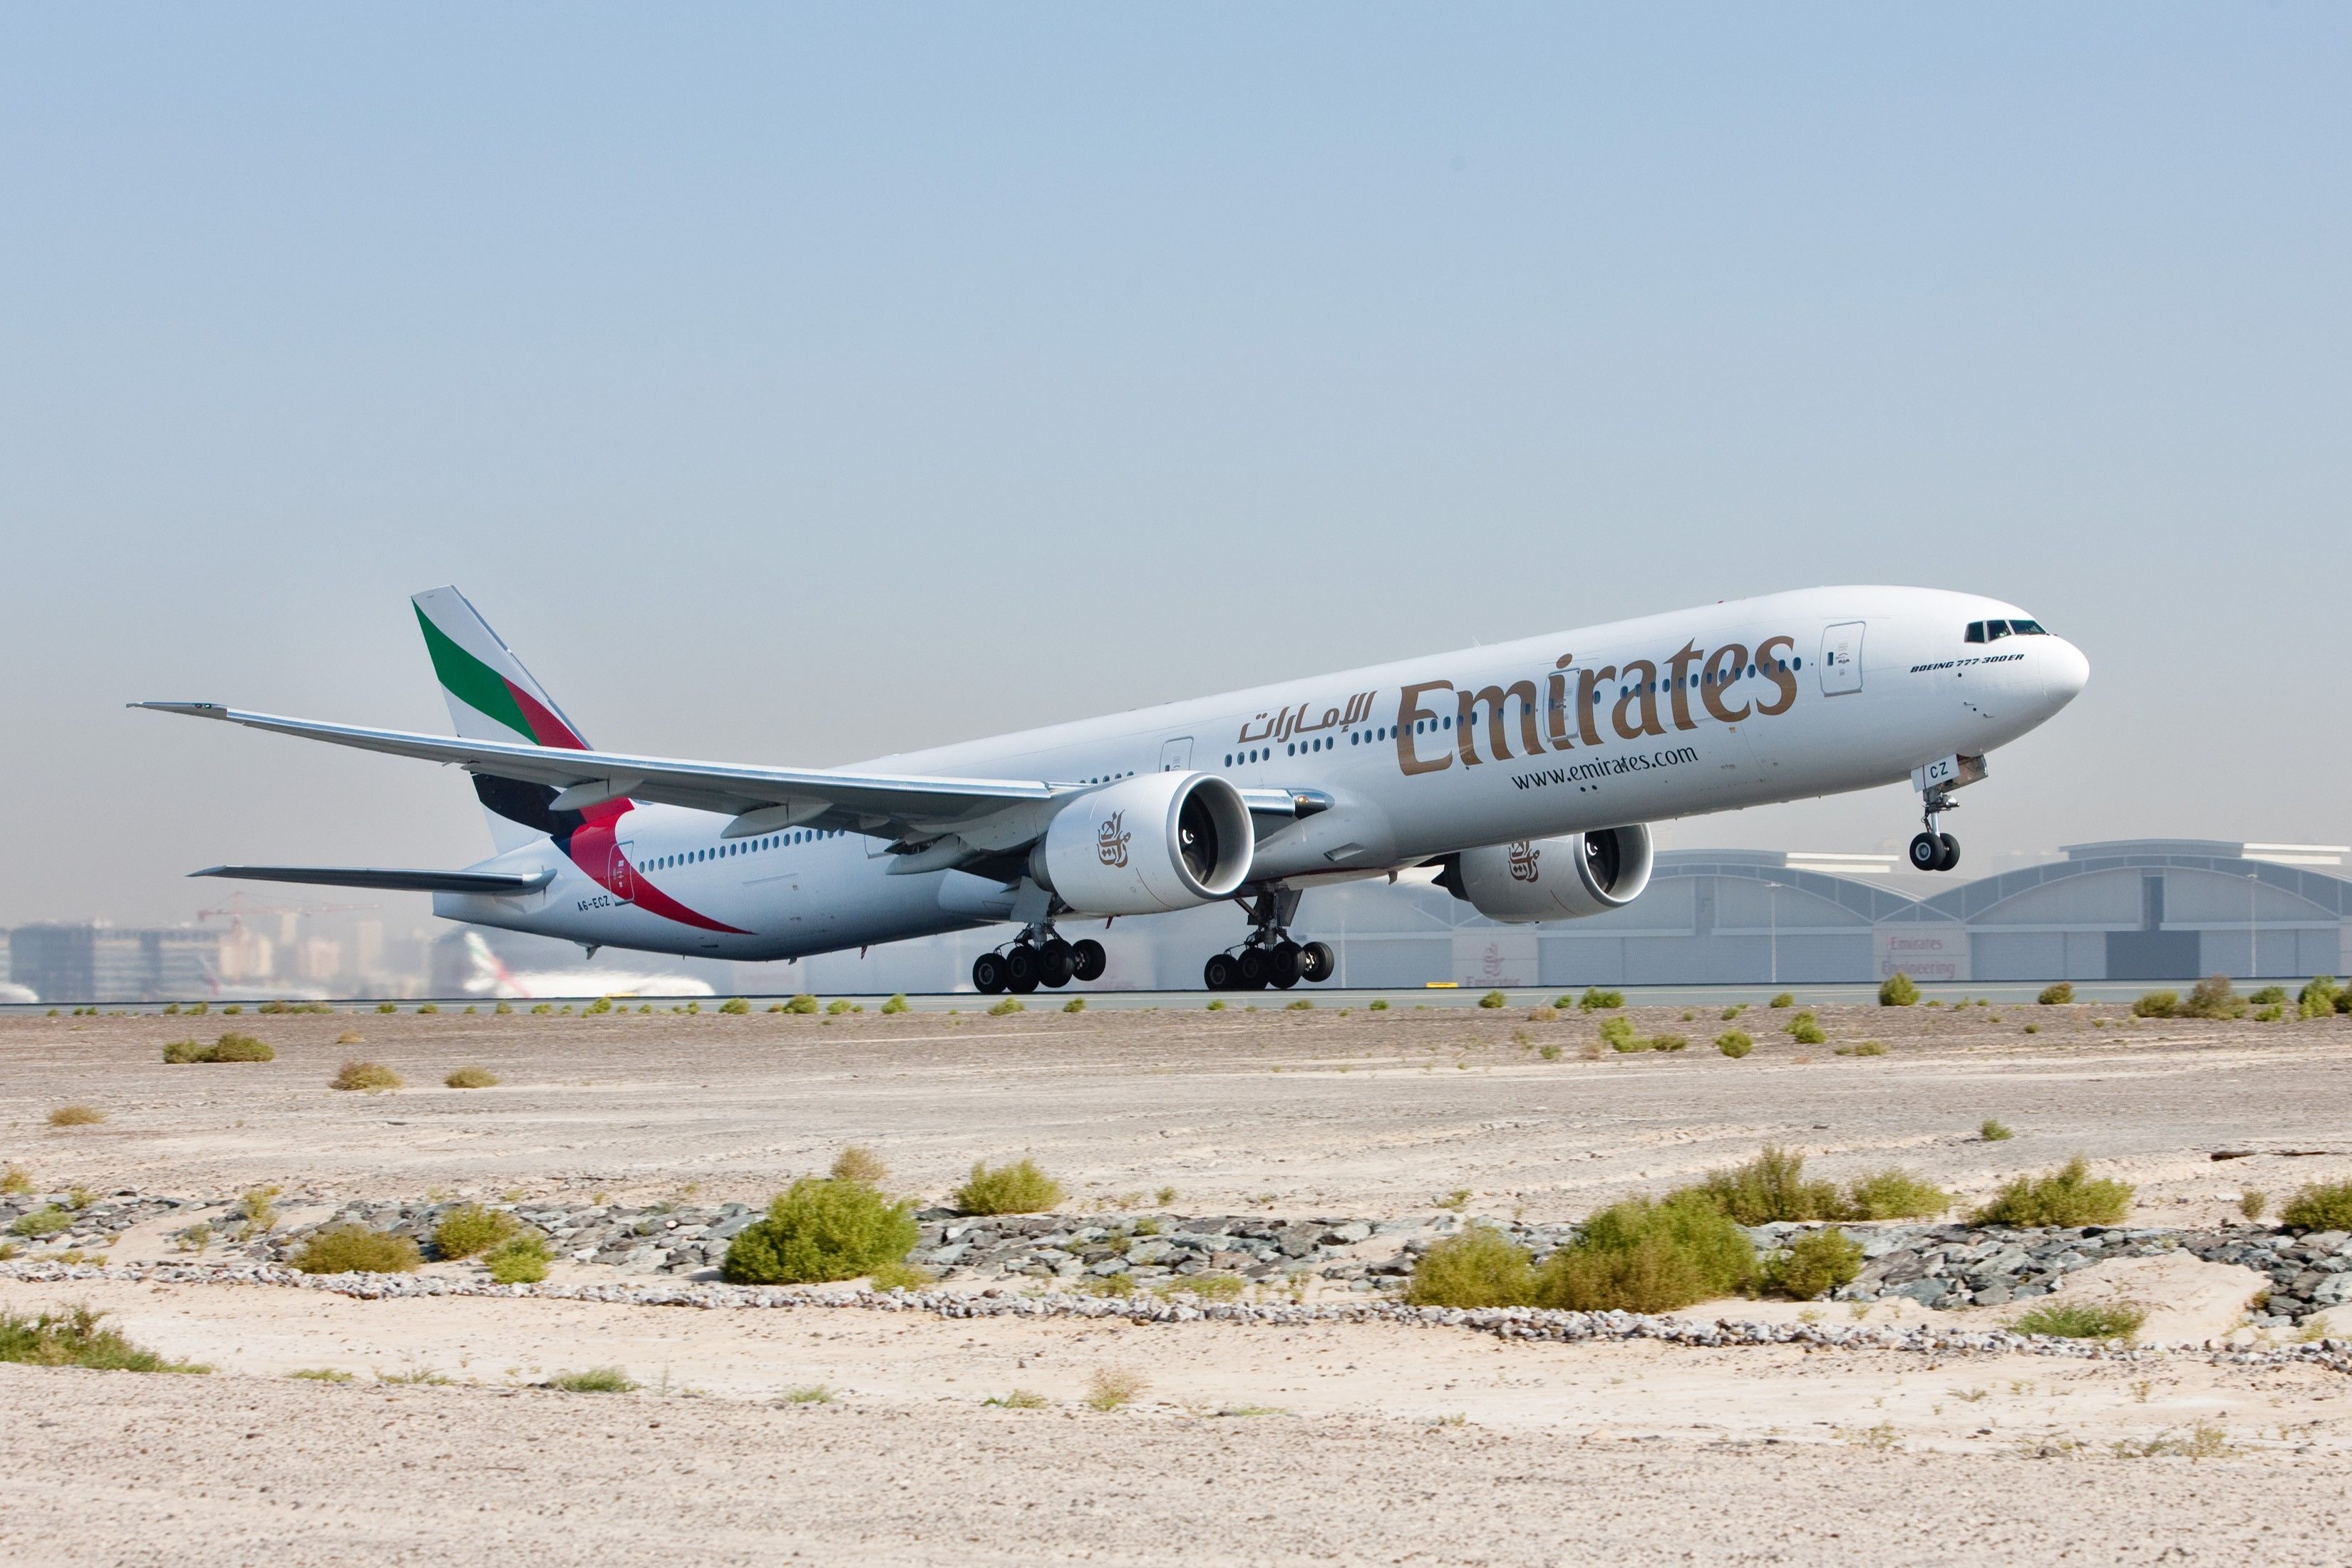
point(493, 698)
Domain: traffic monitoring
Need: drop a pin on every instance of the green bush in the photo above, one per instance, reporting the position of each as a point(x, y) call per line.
point(602, 1005)
point(75, 1338)
point(804, 1003)
point(820, 1229)
point(1079, 1004)
point(178, 1052)
point(2318, 998)
point(520, 1260)
point(2322, 1205)
point(229, 1048)
point(1016, 1187)
point(1899, 991)
point(596, 1379)
point(1734, 1043)
point(1619, 1033)
point(368, 1076)
point(2157, 1004)
point(1668, 1042)
point(1863, 1049)
point(1007, 1007)
point(470, 1229)
point(43, 1222)
point(2057, 996)
point(897, 1004)
point(1494, 999)
point(1813, 1264)
point(2068, 1195)
point(1993, 1131)
point(1805, 1032)
point(2082, 1321)
point(1596, 1000)
point(1479, 1268)
point(1768, 1188)
point(1644, 1257)
point(2214, 997)
point(356, 1249)
point(1894, 1193)
point(735, 1006)
point(1783, 1000)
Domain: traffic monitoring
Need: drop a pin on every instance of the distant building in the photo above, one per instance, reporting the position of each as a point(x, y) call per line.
point(98, 963)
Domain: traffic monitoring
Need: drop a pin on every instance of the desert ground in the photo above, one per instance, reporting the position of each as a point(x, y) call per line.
point(1328, 1441)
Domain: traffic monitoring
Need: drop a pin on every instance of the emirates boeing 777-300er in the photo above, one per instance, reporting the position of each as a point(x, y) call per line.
point(1525, 774)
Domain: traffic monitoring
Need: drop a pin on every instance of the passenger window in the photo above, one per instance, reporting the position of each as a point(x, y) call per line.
point(1976, 631)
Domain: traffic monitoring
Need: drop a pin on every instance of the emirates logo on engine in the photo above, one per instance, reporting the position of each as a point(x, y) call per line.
point(1110, 840)
point(1523, 861)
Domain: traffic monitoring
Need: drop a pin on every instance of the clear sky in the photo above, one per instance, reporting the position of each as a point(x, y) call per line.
point(797, 385)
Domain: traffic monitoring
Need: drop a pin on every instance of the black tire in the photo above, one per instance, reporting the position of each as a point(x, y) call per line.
point(1221, 972)
point(1317, 962)
point(1020, 969)
point(1926, 852)
point(1951, 855)
point(1089, 959)
point(1056, 963)
point(1249, 966)
point(1282, 965)
point(988, 973)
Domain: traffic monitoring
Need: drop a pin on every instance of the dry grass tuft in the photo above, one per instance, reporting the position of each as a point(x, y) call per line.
point(355, 1249)
point(76, 1116)
point(471, 1078)
point(859, 1163)
point(1109, 1388)
point(370, 1076)
point(74, 1337)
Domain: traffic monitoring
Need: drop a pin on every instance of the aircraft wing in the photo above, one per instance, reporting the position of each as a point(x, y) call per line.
point(779, 796)
point(391, 879)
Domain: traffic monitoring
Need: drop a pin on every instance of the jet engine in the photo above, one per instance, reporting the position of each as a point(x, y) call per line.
point(1553, 879)
point(1147, 845)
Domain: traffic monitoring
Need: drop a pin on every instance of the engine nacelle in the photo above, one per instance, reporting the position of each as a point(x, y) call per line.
point(1555, 878)
point(1147, 845)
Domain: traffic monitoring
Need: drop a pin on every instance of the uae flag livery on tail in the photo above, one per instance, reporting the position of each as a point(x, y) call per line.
point(493, 698)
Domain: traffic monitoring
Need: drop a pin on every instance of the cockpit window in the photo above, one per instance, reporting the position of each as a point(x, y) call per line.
point(1976, 631)
point(1996, 630)
point(2028, 628)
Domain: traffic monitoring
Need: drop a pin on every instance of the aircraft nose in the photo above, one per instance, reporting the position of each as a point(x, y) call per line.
point(2064, 673)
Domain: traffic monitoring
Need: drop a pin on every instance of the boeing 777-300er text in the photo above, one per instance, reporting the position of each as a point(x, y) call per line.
point(1525, 774)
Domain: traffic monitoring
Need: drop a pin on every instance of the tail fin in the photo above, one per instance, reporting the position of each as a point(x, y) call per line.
point(493, 698)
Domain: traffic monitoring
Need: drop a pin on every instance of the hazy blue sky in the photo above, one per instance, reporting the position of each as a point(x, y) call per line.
point(793, 387)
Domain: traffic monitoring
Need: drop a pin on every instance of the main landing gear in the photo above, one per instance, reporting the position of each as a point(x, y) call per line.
point(1267, 956)
point(1038, 957)
point(1931, 850)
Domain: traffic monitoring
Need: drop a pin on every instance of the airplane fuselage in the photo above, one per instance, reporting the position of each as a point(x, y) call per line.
point(1736, 704)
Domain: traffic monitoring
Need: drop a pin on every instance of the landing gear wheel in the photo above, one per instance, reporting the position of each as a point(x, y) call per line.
point(1221, 972)
point(1250, 967)
point(1317, 962)
point(1087, 960)
point(1951, 852)
point(1056, 963)
point(1282, 966)
point(1926, 852)
point(988, 973)
point(1020, 969)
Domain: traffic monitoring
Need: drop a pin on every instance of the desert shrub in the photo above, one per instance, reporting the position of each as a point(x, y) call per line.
point(1644, 1257)
point(1016, 1187)
point(178, 1052)
point(430, 1007)
point(2057, 996)
point(735, 1006)
point(322, 1375)
point(2269, 1012)
point(520, 1260)
point(260, 1212)
point(42, 1221)
point(16, 1179)
point(2067, 1196)
point(1734, 1043)
point(1377, 1005)
point(2317, 997)
point(76, 1336)
point(471, 1078)
point(1993, 1131)
point(1771, 1188)
point(1863, 1048)
point(1805, 1032)
point(235, 1047)
point(897, 1002)
point(1550, 1052)
point(1812, 1266)
point(820, 1229)
point(1619, 1033)
point(859, 1163)
point(1494, 999)
point(470, 1229)
point(2253, 1202)
point(596, 1379)
point(76, 1116)
point(2268, 996)
point(1479, 1268)
point(2214, 997)
point(1894, 1193)
point(804, 1003)
point(841, 1005)
point(547, 1009)
point(1898, 990)
point(2082, 1321)
point(1596, 1000)
point(381, 1008)
point(899, 1276)
point(1079, 1004)
point(809, 1394)
point(602, 1005)
point(1006, 1008)
point(1206, 1287)
point(369, 1076)
point(1111, 1387)
point(356, 1249)
point(1784, 999)
point(2157, 1004)
point(1669, 1042)
point(2322, 1205)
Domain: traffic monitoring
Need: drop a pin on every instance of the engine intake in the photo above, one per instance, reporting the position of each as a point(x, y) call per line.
point(1147, 845)
point(1554, 878)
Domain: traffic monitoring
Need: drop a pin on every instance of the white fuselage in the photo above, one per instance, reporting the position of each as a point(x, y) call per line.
point(1731, 705)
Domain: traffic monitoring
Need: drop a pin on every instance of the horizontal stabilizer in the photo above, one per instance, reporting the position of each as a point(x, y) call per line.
point(391, 879)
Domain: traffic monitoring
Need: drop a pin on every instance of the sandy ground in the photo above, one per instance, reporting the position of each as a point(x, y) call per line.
point(1361, 1442)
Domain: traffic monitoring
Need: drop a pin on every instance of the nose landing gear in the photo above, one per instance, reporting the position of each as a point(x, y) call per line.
point(1932, 850)
point(1038, 957)
point(1267, 956)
